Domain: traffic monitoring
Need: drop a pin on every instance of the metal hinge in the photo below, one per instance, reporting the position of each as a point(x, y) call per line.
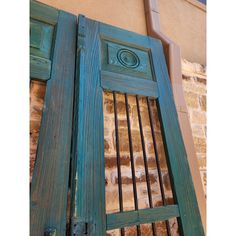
point(79, 227)
point(50, 232)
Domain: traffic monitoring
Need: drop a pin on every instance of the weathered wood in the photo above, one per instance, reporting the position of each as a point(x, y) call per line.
point(49, 186)
point(41, 35)
point(89, 193)
point(43, 12)
point(184, 193)
point(126, 84)
point(126, 37)
point(143, 216)
point(42, 26)
point(40, 68)
point(122, 59)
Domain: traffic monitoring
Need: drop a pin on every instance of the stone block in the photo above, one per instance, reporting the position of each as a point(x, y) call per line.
point(200, 144)
point(203, 102)
point(191, 99)
point(198, 117)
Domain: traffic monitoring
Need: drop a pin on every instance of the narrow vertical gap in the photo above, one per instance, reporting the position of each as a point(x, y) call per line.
point(157, 163)
point(37, 95)
point(118, 159)
point(173, 191)
point(132, 160)
point(145, 161)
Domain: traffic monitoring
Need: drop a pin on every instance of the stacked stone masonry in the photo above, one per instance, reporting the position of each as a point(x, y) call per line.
point(195, 93)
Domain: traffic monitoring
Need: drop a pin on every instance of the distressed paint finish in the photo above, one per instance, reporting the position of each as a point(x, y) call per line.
point(143, 216)
point(125, 60)
point(43, 20)
point(44, 13)
point(127, 84)
point(51, 173)
point(189, 219)
point(89, 178)
point(40, 68)
point(89, 192)
point(40, 39)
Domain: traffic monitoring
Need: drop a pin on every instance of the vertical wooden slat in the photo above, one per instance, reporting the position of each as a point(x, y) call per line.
point(50, 179)
point(184, 193)
point(89, 193)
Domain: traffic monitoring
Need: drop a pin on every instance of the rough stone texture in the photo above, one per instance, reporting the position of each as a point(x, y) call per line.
point(195, 91)
point(37, 92)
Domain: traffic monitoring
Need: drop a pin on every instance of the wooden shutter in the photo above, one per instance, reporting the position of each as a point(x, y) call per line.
point(113, 59)
point(52, 60)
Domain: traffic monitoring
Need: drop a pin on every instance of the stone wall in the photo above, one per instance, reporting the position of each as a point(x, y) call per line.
point(195, 91)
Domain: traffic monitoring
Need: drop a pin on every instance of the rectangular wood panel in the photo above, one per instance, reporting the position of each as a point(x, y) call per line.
point(125, 84)
point(43, 20)
point(44, 13)
point(40, 68)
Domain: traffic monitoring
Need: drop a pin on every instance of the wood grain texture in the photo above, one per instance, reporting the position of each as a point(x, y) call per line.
point(50, 178)
point(89, 194)
point(143, 216)
point(89, 178)
point(43, 20)
point(40, 68)
point(127, 84)
point(44, 13)
point(120, 58)
point(41, 36)
point(184, 193)
point(120, 36)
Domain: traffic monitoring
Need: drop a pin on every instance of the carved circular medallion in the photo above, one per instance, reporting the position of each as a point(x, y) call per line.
point(128, 58)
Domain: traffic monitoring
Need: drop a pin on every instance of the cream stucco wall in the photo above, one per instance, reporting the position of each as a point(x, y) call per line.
point(185, 23)
point(126, 14)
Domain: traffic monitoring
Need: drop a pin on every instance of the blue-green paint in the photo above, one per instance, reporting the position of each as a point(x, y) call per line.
point(142, 216)
point(49, 187)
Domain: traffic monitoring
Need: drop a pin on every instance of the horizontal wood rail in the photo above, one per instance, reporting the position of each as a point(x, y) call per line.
point(127, 84)
point(143, 216)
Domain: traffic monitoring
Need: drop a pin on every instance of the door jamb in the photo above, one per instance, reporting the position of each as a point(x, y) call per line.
point(173, 59)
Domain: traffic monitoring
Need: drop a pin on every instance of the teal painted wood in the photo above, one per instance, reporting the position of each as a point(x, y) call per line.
point(122, 59)
point(44, 13)
point(89, 191)
point(127, 84)
point(49, 186)
point(143, 216)
point(121, 36)
point(176, 155)
point(41, 36)
point(40, 68)
point(43, 20)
